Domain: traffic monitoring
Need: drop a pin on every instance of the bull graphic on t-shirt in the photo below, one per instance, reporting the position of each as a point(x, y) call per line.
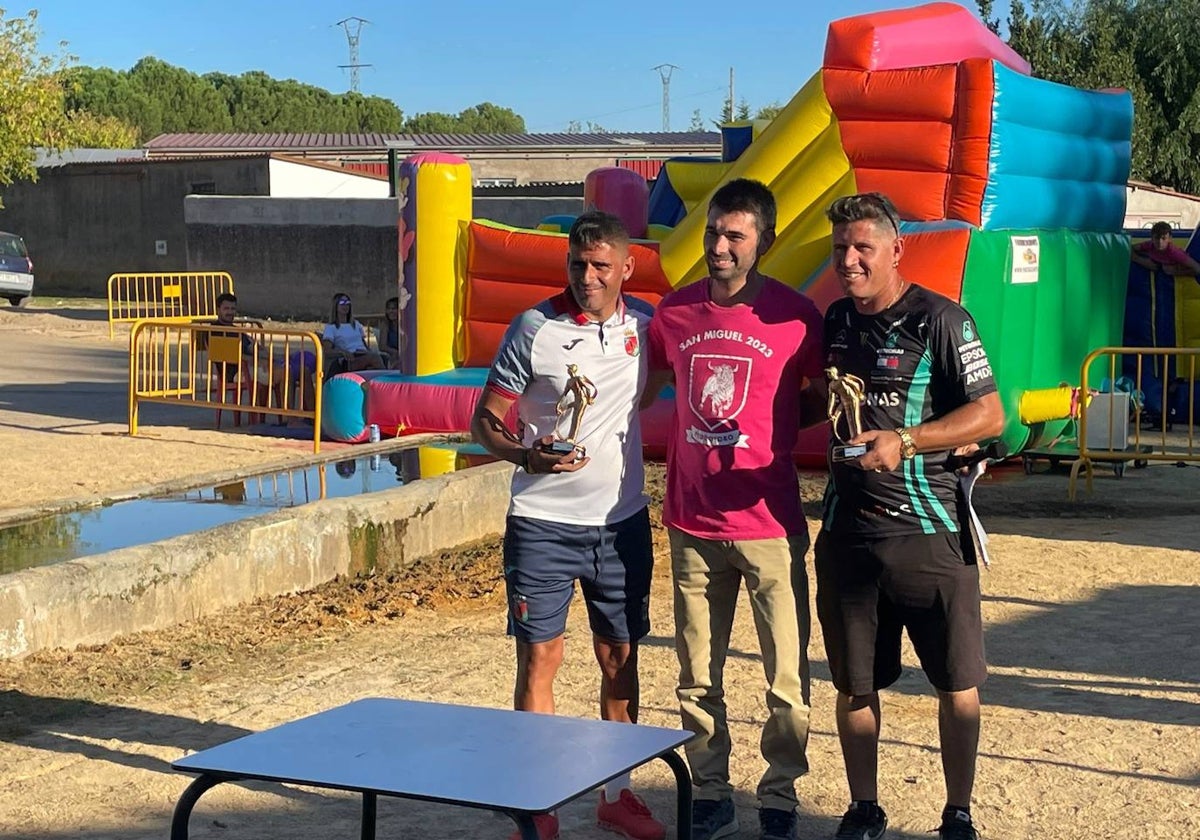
point(718, 389)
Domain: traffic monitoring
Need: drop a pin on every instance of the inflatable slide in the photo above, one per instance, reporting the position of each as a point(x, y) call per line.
point(1011, 192)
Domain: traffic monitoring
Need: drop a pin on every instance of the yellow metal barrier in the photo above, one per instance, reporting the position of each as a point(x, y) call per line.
point(178, 296)
point(1111, 430)
point(243, 369)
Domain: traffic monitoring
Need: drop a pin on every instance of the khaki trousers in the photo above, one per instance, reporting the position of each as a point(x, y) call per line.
point(707, 578)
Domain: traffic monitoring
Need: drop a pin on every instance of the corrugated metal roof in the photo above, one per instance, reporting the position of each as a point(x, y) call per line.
point(376, 142)
point(45, 158)
point(373, 173)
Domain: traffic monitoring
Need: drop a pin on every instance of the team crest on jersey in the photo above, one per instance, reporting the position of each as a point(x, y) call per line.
point(632, 346)
point(968, 332)
point(718, 388)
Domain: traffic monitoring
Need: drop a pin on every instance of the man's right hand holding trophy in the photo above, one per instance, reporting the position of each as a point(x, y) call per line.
point(560, 452)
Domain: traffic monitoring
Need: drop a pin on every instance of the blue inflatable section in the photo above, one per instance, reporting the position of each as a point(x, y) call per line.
point(343, 407)
point(1059, 156)
point(1150, 321)
point(665, 207)
point(735, 139)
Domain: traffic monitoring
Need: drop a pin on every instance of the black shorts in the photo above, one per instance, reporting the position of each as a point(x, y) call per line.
point(867, 590)
point(613, 564)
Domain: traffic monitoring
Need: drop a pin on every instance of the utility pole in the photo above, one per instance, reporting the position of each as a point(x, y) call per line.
point(731, 100)
point(353, 27)
point(664, 73)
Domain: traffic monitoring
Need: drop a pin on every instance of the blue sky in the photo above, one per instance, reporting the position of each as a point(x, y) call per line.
point(553, 64)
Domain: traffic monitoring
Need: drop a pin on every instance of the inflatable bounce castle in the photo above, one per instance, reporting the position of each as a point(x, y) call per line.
point(1163, 310)
point(1011, 191)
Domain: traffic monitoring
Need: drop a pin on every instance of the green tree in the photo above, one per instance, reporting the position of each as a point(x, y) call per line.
point(484, 118)
point(589, 127)
point(156, 97)
point(88, 131)
point(1149, 47)
point(769, 112)
point(697, 121)
point(31, 98)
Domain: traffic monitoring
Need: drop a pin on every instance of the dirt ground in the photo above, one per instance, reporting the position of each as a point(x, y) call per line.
point(1091, 608)
point(64, 416)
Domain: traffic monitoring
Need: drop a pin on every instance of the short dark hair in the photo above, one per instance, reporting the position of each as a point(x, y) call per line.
point(1159, 229)
point(226, 297)
point(745, 195)
point(596, 226)
point(872, 206)
point(392, 301)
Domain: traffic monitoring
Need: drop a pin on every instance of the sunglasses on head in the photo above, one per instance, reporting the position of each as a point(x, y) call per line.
point(884, 206)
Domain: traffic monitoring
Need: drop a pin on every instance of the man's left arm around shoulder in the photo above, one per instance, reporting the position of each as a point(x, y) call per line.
point(977, 420)
point(814, 401)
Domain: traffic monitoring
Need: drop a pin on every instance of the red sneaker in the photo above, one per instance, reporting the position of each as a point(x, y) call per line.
point(546, 825)
point(629, 816)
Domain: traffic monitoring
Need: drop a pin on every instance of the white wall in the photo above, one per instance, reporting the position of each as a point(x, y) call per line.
point(1144, 207)
point(298, 180)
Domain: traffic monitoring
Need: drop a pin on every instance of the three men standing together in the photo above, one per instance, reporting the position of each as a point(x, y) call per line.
point(746, 355)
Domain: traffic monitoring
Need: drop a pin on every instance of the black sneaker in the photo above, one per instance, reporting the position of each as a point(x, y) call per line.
point(862, 822)
point(713, 819)
point(777, 824)
point(957, 826)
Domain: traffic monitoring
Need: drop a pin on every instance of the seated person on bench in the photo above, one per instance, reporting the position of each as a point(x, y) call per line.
point(389, 336)
point(345, 342)
point(259, 366)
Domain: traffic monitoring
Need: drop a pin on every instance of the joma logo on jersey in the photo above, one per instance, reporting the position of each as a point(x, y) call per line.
point(889, 399)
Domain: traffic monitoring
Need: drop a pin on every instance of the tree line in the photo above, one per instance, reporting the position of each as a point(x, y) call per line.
point(1149, 47)
point(154, 97)
point(50, 102)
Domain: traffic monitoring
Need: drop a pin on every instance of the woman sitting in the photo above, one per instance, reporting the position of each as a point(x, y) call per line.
point(345, 342)
point(389, 337)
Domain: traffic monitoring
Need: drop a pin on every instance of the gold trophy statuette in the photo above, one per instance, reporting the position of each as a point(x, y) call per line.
point(845, 402)
point(579, 393)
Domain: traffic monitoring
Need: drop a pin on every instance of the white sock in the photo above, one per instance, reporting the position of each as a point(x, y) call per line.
point(612, 789)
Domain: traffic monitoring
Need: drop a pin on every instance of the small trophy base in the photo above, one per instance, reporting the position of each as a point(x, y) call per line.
point(848, 452)
point(563, 447)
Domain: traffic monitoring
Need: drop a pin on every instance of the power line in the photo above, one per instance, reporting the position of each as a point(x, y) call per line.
point(591, 117)
point(664, 73)
point(353, 27)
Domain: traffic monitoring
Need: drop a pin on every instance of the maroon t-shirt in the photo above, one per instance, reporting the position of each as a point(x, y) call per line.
point(738, 374)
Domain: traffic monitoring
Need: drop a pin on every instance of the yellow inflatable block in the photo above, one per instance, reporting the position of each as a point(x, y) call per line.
point(800, 157)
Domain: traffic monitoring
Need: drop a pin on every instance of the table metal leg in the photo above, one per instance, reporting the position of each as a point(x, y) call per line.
point(683, 789)
point(525, 824)
point(183, 808)
point(368, 815)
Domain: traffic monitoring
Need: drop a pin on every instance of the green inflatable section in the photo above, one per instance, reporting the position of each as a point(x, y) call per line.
point(1041, 320)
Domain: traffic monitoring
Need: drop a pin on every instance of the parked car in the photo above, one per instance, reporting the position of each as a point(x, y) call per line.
point(16, 269)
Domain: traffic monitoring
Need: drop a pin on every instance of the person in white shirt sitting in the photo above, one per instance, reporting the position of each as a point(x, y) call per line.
point(344, 340)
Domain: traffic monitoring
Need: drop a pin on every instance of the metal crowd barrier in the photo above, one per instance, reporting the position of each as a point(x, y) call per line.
point(177, 296)
point(1118, 428)
point(243, 369)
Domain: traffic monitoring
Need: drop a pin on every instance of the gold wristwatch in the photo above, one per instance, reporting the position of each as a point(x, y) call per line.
point(908, 446)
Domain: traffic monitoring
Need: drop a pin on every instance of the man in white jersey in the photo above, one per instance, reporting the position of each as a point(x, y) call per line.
point(579, 515)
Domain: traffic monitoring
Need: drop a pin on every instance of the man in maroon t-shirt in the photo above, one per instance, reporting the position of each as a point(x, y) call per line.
point(741, 349)
point(1159, 252)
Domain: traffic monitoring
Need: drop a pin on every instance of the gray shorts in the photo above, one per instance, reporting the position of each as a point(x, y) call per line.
point(613, 564)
